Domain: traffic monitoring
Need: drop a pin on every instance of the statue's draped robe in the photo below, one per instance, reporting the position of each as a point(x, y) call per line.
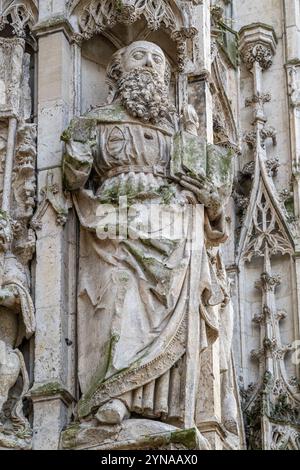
point(134, 294)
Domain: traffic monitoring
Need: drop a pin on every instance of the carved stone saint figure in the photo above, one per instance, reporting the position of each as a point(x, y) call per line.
point(137, 343)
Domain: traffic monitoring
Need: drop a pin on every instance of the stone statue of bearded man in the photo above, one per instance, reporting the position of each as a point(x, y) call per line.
point(148, 303)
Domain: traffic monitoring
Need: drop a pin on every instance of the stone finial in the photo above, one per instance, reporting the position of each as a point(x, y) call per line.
point(257, 44)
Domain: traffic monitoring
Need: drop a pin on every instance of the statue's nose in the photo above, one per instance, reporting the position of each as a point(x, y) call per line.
point(149, 60)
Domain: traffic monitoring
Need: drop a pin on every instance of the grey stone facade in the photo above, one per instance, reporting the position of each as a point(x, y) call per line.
point(134, 345)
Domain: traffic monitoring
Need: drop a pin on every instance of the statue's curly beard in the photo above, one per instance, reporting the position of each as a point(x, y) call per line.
point(144, 95)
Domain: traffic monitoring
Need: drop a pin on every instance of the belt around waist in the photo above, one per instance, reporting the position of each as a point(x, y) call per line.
point(156, 170)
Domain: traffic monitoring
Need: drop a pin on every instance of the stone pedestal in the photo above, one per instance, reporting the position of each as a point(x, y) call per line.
point(133, 434)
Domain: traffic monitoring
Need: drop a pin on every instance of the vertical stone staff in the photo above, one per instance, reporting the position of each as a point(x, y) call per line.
point(193, 320)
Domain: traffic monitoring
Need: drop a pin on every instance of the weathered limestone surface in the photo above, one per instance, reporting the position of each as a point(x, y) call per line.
point(137, 434)
point(148, 341)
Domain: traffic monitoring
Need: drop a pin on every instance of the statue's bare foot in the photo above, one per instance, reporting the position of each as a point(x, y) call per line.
point(113, 412)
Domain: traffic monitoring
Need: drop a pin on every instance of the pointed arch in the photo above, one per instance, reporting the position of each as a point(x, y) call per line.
point(265, 221)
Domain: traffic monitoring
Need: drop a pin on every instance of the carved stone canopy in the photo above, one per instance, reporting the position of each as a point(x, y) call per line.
point(22, 13)
point(257, 44)
point(91, 17)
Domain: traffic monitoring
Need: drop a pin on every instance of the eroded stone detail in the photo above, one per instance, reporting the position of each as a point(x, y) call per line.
point(51, 195)
point(19, 14)
point(258, 53)
point(18, 184)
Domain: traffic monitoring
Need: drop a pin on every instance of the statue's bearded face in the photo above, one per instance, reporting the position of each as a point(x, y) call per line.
point(144, 55)
point(141, 82)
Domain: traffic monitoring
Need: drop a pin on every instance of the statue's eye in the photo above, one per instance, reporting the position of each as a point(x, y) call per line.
point(157, 59)
point(138, 55)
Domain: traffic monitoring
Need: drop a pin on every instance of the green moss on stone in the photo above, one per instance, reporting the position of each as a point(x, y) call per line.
point(4, 215)
point(81, 129)
point(119, 5)
point(290, 207)
point(48, 389)
point(69, 436)
point(167, 193)
point(228, 40)
point(112, 195)
point(186, 437)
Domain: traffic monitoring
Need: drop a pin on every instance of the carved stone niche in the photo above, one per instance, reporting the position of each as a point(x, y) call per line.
point(153, 20)
point(97, 51)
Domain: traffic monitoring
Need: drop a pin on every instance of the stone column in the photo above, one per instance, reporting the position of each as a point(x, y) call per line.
point(208, 411)
point(55, 287)
point(257, 48)
point(292, 33)
point(199, 78)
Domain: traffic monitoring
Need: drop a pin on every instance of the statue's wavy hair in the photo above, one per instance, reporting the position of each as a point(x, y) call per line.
point(114, 72)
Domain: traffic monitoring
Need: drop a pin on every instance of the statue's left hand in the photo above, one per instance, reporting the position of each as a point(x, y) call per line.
point(205, 192)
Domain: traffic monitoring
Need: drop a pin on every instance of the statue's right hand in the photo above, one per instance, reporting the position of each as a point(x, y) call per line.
point(78, 162)
point(79, 155)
